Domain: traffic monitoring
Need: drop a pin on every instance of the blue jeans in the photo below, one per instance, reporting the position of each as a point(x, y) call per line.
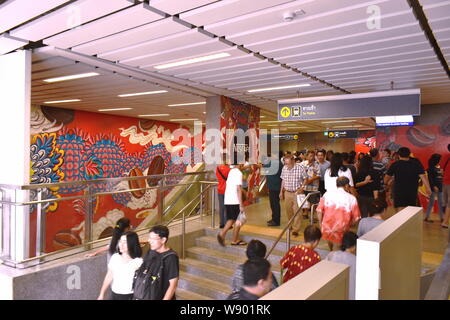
point(431, 204)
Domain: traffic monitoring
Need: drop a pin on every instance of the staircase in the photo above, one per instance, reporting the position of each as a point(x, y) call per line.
point(207, 270)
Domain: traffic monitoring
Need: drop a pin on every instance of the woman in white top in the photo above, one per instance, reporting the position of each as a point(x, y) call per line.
point(347, 255)
point(336, 169)
point(122, 267)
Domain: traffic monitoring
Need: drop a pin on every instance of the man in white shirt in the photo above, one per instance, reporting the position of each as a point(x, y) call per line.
point(233, 205)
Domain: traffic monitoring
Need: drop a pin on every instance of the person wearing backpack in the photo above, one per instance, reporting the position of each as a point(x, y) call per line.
point(157, 279)
point(122, 267)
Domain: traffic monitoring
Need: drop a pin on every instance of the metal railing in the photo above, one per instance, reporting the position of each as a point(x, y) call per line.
point(38, 201)
point(291, 221)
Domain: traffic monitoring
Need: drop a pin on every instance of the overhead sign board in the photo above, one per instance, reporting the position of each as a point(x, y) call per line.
point(363, 105)
point(340, 134)
point(287, 137)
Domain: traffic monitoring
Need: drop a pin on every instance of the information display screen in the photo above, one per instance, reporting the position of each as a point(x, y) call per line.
point(391, 121)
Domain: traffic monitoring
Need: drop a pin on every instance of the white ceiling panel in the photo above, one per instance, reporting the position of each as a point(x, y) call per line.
point(132, 37)
point(274, 76)
point(438, 10)
point(266, 68)
point(215, 66)
point(351, 55)
point(375, 61)
point(226, 9)
point(176, 6)
point(232, 51)
point(68, 17)
point(335, 37)
point(229, 68)
point(392, 76)
point(199, 49)
point(273, 17)
point(180, 39)
point(14, 13)
point(8, 43)
point(410, 63)
point(62, 71)
point(117, 22)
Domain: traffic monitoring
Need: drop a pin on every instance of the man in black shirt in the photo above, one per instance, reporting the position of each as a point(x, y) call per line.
point(257, 280)
point(406, 173)
point(158, 242)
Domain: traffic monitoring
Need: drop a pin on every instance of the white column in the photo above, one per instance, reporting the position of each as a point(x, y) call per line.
point(15, 93)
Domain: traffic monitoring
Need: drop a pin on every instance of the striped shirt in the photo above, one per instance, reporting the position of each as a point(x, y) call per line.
point(380, 167)
point(294, 177)
point(312, 170)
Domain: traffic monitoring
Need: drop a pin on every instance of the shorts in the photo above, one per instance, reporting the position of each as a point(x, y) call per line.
point(232, 211)
point(446, 195)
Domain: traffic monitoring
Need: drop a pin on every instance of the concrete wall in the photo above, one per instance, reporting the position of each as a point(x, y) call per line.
point(388, 260)
point(73, 278)
point(324, 281)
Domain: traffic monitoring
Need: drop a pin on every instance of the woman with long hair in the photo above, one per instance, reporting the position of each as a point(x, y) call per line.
point(122, 267)
point(435, 177)
point(336, 169)
point(122, 225)
point(367, 184)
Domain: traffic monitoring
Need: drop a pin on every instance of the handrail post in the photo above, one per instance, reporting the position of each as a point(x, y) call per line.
point(183, 232)
point(213, 210)
point(40, 227)
point(160, 204)
point(88, 220)
point(201, 201)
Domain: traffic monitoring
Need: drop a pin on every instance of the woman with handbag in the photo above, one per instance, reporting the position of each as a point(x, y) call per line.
point(234, 207)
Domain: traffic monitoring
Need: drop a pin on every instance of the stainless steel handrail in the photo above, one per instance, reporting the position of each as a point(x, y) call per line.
point(288, 236)
point(186, 206)
point(88, 244)
point(87, 182)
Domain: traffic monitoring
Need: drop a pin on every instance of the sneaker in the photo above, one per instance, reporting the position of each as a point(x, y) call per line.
point(273, 224)
point(444, 226)
point(428, 220)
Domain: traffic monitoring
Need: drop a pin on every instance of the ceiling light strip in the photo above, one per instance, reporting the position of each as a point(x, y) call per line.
point(115, 109)
point(141, 93)
point(72, 77)
point(62, 101)
point(186, 104)
point(192, 60)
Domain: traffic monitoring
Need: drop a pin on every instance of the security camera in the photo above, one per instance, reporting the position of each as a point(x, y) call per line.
point(288, 16)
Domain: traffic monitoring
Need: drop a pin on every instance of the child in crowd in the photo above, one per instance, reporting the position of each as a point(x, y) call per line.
point(347, 256)
point(301, 257)
point(375, 208)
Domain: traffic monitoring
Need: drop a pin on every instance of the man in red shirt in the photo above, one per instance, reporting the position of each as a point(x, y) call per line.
point(302, 257)
point(446, 189)
point(222, 175)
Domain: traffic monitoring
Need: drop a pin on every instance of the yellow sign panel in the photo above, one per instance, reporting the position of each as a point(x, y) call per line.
point(331, 134)
point(285, 112)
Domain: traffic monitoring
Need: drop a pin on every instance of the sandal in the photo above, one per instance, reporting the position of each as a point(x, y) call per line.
point(221, 240)
point(239, 243)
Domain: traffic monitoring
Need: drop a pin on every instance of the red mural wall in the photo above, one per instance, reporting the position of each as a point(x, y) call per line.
point(240, 115)
point(72, 145)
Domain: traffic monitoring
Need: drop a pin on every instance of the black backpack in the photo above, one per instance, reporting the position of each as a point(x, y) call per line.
point(148, 283)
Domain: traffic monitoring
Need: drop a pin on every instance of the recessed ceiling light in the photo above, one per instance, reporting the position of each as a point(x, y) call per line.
point(339, 121)
point(262, 116)
point(141, 93)
point(115, 109)
point(280, 88)
point(183, 119)
point(154, 115)
point(62, 101)
point(72, 77)
point(185, 104)
point(193, 60)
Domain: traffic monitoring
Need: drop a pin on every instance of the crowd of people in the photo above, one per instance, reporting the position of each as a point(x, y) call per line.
point(354, 191)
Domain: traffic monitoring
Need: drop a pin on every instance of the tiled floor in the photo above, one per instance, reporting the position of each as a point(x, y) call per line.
point(435, 238)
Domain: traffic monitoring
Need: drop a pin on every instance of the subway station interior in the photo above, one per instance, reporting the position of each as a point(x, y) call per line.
point(115, 109)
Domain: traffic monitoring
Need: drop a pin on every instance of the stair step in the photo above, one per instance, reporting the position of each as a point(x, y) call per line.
point(182, 294)
point(212, 243)
point(210, 271)
point(223, 259)
point(204, 286)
